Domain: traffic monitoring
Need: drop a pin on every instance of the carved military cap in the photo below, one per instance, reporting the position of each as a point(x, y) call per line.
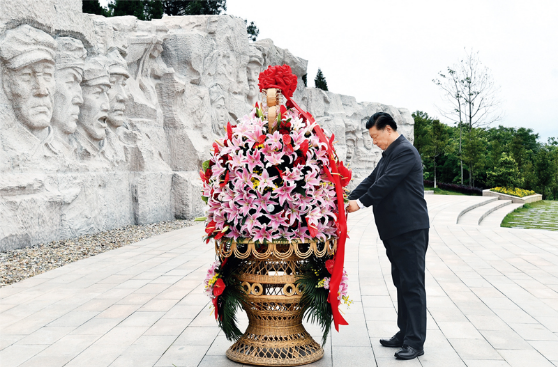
point(117, 64)
point(95, 71)
point(26, 45)
point(71, 53)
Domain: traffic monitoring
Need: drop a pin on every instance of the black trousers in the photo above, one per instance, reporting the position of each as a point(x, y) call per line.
point(406, 253)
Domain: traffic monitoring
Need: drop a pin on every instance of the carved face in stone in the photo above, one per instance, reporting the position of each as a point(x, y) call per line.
point(253, 71)
point(117, 97)
point(94, 111)
point(368, 144)
point(67, 99)
point(31, 90)
point(220, 111)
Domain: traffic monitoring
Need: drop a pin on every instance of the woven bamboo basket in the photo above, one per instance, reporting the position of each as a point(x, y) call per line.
point(275, 335)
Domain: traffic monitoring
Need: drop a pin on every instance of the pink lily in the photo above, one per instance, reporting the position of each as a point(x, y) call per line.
point(266, 181)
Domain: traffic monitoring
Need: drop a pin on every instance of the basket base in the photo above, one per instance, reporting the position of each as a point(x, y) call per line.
point(293, 349)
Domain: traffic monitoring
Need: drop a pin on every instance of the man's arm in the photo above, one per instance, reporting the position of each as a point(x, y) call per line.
point(363, 186)
point(398, 168)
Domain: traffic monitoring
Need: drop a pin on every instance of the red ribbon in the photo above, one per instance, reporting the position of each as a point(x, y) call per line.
point(337, 273)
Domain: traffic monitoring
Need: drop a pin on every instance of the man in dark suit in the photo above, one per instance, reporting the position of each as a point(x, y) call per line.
point(396, 193)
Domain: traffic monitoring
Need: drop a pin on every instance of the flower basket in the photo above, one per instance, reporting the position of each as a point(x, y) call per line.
point(274, 187)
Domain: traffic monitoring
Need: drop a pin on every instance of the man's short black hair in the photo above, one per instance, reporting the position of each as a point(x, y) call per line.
point(380, 120)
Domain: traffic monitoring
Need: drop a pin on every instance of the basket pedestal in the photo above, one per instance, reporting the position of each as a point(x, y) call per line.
point(275, 335)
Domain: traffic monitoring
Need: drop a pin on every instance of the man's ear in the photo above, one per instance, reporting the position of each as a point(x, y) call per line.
point(6, 82)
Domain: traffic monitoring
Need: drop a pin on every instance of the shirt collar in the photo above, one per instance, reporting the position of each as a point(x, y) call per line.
point(393, 144)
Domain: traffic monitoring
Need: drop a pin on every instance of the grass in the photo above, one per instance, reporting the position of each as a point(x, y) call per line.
point(443, 191)
point(536, 215)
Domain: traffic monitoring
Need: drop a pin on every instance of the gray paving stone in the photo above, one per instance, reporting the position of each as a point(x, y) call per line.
point(474, 349)
point(531, 358)
point(182, 356)
point(17, 354)
point(354, 357)
point(486, 363)
point(506, 340)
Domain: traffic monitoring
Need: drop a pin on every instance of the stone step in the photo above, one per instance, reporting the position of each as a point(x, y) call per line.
point(475, 216)
point(495, 218)
point(472, 207)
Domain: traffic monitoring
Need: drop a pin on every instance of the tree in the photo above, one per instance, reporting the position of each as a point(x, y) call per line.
point(451, 85)
point(141, 9)
point(545, 170)
point(320, 81)
point(471, 93)
point(505, 173)
point(474, 153)
point(422, 127)
point(252, 30)
point(197, 7)
point(438, 143)
point(93, 7)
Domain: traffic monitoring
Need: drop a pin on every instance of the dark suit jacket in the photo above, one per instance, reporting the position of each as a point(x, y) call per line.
point(395, 189)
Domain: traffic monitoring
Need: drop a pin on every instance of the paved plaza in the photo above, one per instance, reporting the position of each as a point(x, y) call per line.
point(492, 301)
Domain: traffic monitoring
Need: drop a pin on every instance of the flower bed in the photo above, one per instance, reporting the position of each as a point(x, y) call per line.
point(518, 192)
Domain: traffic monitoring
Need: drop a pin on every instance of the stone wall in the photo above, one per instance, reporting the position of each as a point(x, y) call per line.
point(104, 122)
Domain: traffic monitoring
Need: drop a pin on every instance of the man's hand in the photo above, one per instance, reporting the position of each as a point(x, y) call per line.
point(353, 206)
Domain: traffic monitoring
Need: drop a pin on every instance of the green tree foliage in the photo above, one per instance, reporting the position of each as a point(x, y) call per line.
point(437, 143)
point(252, 30)
point(93, 7)
point(141, 9)
point(505, 173)
point(501, 156)
point(320, 81)
point(154, 9)
point(194, 7)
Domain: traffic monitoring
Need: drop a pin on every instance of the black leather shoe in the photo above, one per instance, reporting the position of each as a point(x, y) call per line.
point(408, 352)
point(394, 342)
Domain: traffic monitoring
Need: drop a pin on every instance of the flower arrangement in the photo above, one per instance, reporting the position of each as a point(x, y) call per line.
point(513, 191)
point(275, 176)
point(267, 185)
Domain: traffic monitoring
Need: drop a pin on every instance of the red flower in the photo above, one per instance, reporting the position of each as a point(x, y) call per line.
point(225, 181)
point(215, 148)
point(329, 266)
point(229, 130)
point(208, 173)
point(280, 77)
point(304, 148)
point(345, 173)
point(218, 287)
point(312, 229)
point(219, 236)
point(214, 300)
point(286, 139)
point(283, 110)
point(210, 227)
point(202, 176)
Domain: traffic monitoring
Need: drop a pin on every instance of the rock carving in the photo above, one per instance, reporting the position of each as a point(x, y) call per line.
point(105, 122)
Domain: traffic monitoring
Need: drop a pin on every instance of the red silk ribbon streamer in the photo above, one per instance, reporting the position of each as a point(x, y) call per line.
point(337, 273)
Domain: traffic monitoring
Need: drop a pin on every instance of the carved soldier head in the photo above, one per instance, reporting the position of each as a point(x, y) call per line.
point(68, 97)
point(28, 76)
point(118, 70)
point(95, 108)
point(218, 109)
point(253, 72)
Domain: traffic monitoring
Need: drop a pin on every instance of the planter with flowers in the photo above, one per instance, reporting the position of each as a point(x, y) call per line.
point(276, 211)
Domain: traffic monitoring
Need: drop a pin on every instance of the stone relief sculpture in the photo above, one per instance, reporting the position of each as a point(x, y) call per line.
point(127, 110)
point(68, 97)
point(28, 82)
point(90, 133)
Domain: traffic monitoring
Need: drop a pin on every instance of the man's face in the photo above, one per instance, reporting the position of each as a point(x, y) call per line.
point(382, 137)
point(117, 97)
point(253, 74)
point(31, 90)
point(94, 112)
point(68, 99)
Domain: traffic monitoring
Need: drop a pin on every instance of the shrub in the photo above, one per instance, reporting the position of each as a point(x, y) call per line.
point(455, 187)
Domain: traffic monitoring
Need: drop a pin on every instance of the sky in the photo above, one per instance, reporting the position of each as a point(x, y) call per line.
point(389, 51)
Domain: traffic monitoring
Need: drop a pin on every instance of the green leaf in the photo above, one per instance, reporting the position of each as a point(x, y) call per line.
point(200, 218)
point(205, 165)
point(204, 198)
